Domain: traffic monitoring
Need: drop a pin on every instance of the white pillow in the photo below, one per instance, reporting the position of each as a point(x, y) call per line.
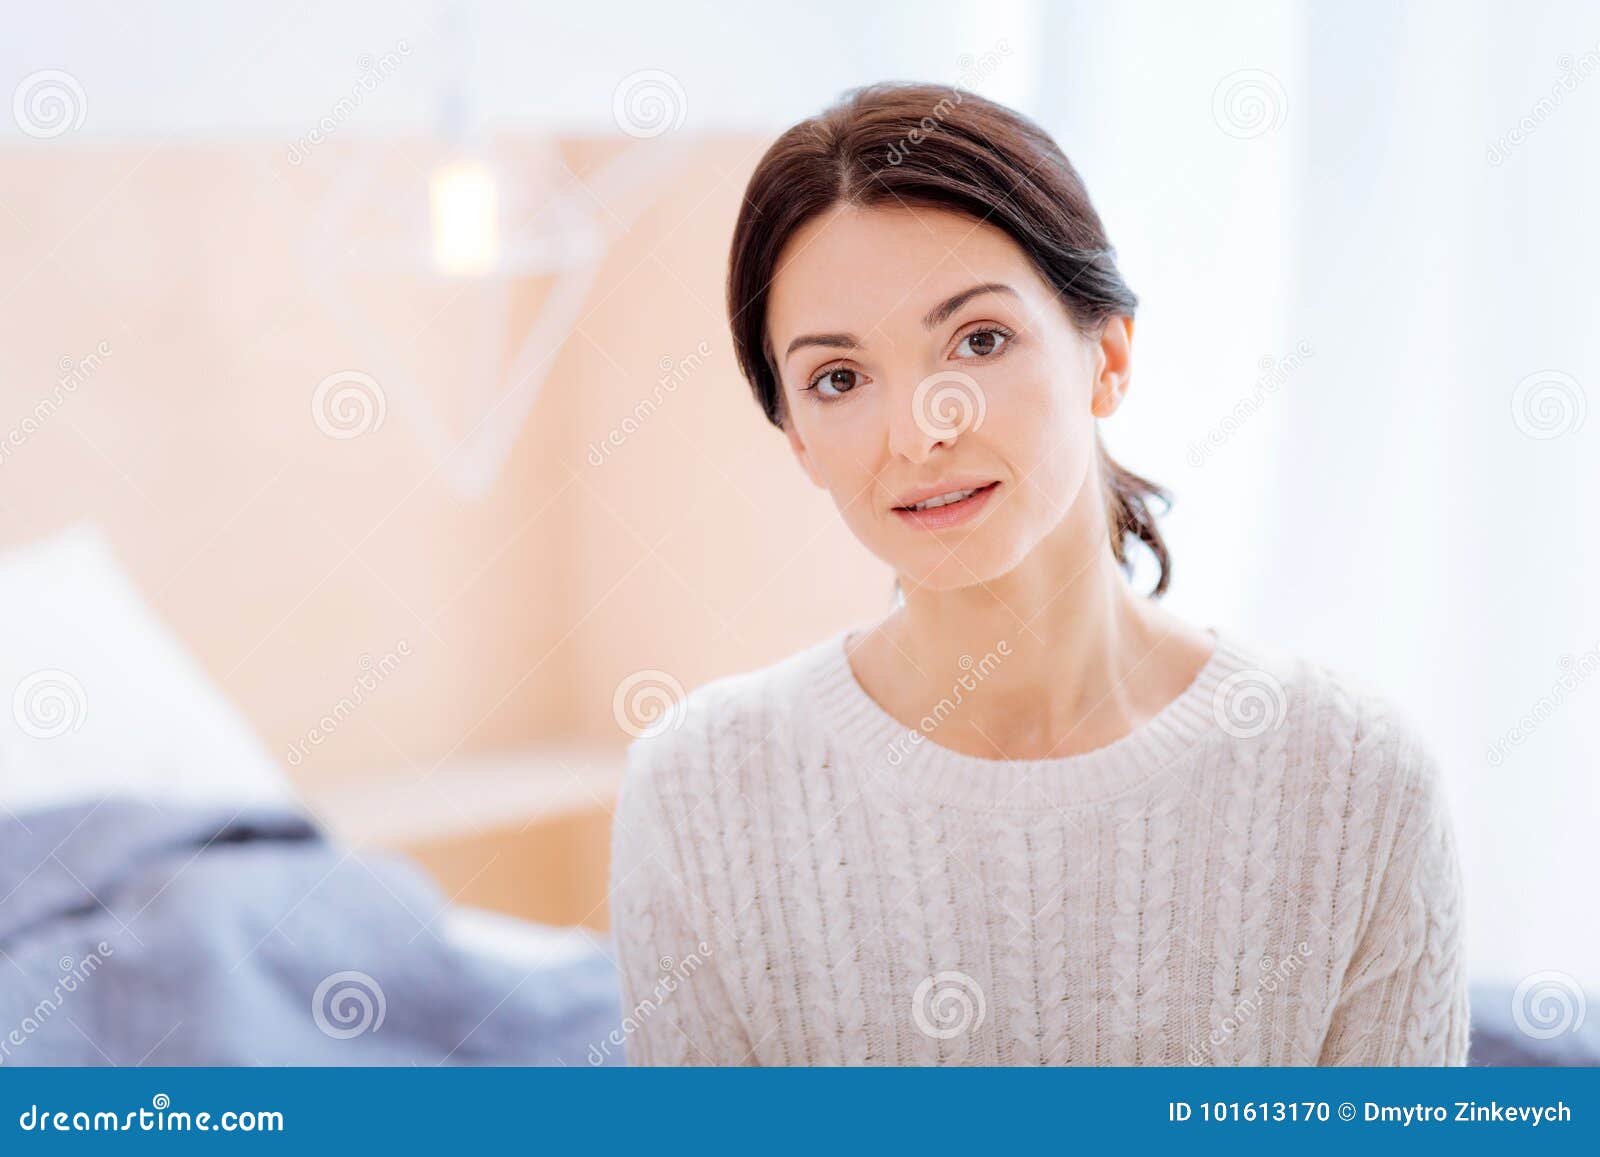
point(98, 696)
point(523, 943)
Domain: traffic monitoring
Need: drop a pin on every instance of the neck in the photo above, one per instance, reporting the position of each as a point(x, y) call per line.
point(1066, 655)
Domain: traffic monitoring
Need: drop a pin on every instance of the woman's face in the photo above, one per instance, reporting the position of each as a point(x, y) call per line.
point(903, 378)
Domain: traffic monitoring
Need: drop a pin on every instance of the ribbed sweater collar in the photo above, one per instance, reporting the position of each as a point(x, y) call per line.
point(911, 762)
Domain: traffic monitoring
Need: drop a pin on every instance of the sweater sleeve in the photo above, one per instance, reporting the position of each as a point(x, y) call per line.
point(675, 1007)
point(1404, 999)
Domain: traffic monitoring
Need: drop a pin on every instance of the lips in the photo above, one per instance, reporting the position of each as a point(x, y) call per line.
point(951, 513)
point(954, 486)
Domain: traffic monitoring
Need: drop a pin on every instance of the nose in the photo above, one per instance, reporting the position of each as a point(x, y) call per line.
point(933, 411)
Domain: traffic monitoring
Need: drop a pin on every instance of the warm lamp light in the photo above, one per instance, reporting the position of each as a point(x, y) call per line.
point(464, 204)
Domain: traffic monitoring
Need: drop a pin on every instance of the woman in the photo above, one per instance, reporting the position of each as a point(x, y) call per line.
point(1029, 816)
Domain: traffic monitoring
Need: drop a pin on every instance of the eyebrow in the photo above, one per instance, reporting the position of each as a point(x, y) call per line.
point(840, 341)
point(934, 316)
point(949, 305)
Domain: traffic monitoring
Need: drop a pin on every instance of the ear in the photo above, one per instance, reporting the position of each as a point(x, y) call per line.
point(1114, 359)
point(802, 455)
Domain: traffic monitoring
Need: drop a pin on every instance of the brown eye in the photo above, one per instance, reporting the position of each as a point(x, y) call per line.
point(832, 383)
point(983, 343)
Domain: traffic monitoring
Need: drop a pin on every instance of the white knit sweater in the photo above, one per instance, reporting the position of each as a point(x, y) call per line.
point(1263, 873)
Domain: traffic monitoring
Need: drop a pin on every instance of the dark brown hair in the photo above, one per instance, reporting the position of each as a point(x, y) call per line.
point(927, 145)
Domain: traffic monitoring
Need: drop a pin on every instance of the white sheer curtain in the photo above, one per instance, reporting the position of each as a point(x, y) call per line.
point(1366, 245)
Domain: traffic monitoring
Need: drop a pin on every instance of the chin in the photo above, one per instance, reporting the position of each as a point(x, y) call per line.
point(948, 573)
point(959, 562)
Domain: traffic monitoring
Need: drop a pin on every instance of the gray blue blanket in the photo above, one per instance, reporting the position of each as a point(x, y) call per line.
point(137, 934)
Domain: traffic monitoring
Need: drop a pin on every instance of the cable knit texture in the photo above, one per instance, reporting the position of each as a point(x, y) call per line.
point(1263, 873)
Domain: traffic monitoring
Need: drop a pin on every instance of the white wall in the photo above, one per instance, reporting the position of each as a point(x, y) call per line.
point(195, 69)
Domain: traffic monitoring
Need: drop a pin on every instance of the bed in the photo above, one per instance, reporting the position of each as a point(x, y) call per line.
point(150, 841)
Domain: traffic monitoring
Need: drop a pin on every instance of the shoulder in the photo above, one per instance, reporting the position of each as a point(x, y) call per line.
point(1334, 723)
point(1367, 792)
point(698, 737)
point(1387, 744)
